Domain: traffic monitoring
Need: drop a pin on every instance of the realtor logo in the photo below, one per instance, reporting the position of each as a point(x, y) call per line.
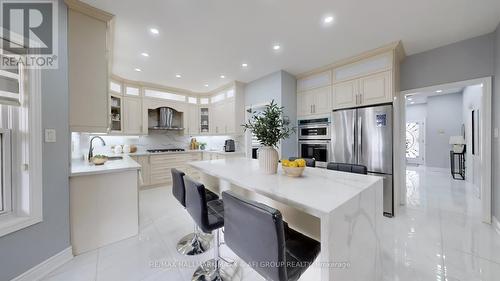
point(29, 33)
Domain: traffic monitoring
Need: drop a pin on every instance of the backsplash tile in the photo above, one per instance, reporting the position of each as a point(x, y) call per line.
point(155, 139)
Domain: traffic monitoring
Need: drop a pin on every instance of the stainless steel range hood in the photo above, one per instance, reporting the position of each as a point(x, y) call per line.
point(165, 119)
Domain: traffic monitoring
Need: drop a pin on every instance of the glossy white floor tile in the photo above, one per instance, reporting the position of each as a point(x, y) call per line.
point(437, 236)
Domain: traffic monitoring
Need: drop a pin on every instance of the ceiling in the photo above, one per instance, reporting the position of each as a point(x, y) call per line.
point(421, 97)
point(202, 40)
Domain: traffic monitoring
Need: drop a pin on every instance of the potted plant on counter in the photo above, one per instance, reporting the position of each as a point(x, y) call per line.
point(269, 127)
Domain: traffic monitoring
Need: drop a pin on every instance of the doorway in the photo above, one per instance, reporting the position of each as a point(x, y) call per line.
point(472, 134)
point(415, 142)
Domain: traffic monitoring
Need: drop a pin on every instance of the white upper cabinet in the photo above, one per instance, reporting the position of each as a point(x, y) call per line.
point(88, 53)
point(315, 101)
point(132, 115)
point(368, 90)
point(376, 88)
point(314, 81)
point(193, 125)
point(364, 67)
point(345, 94)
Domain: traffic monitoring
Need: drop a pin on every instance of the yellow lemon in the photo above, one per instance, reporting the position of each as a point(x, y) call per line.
point(293, 164)
point(285, 163)
point(301, 162)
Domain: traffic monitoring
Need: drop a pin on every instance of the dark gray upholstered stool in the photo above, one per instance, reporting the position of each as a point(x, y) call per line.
point(260, 237)
point(209, 216)
point(310, 162)
point(350, 168)
point(197, 242)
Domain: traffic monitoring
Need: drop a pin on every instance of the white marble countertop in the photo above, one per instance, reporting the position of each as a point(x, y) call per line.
point(317, 192)
point(80, 167)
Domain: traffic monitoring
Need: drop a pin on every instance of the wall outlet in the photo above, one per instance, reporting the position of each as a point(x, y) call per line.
point(50, 135)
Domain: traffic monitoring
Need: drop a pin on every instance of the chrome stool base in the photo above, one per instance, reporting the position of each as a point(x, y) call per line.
point(194, 244)
point(209, 271)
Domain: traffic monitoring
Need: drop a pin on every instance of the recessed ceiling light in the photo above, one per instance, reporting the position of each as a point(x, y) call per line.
point(276, 47)
point(412, 102)
point(178, 75)
point(138, 69)
point(244, 65)
point(222, 76)
point(328, 19)
point(145, 54)
point(410, 99)
point(154, 31)
point(206, 85)
point(439, 91)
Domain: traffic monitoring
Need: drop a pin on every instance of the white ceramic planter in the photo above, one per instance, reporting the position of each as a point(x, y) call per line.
point(268, 159)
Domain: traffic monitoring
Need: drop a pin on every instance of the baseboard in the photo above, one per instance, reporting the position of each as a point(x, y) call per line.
point(496, 224)
point(44, 268)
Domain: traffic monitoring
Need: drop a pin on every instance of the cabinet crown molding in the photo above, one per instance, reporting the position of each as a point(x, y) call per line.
point(89, 10)
point(396, 47)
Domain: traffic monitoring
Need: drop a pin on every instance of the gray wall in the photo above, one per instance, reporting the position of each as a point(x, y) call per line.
point(445, 120)
point(282, 87)
point(496, 124)
point(460, 61)
point(289, 147)
point(28, 247)
point(264, 89)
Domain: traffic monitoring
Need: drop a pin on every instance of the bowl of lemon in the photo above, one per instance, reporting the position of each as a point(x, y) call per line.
point(294, 168)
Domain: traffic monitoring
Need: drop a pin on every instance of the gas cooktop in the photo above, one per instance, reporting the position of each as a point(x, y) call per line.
point(165, 150)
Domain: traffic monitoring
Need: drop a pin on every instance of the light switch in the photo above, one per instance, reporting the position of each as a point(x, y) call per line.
point(495, 133)
point(50, 135)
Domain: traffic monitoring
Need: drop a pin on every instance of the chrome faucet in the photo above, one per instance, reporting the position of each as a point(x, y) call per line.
point(91, 148)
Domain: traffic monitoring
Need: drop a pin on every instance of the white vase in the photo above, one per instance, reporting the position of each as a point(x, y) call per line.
point(268, 160)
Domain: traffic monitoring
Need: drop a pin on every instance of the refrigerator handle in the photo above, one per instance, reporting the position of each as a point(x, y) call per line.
point(360, 139)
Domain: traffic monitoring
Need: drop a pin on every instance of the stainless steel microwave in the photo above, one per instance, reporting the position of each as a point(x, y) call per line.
point(314, 129)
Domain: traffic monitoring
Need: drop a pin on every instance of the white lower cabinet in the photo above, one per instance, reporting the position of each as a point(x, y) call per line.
point(156, 169)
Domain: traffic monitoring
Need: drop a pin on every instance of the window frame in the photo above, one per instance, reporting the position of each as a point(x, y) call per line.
point(27, 183)
point(6, 171)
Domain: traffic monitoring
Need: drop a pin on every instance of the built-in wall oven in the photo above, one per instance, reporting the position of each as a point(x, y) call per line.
point(315, 140)
point(315, 129)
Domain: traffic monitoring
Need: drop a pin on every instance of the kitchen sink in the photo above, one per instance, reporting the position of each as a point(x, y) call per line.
point(111, 158)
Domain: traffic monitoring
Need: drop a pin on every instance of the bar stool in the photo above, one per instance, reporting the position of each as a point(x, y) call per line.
point(194, 243)
point(310, 162)
point(209, 216)
point(350, 168)
point(260, 237)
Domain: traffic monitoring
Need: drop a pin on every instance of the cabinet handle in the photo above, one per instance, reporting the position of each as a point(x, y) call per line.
point(314, 108)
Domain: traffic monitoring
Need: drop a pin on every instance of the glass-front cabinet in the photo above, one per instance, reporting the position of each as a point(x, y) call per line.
point(204, 119)
point(116, 115)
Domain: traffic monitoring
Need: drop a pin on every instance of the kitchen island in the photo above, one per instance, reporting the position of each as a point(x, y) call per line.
point(342, 210)
point(103, 203)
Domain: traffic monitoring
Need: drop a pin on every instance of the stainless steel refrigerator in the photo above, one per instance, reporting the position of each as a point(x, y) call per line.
point(364, 136)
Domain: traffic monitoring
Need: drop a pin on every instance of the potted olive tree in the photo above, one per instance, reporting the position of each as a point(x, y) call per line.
point(269, 127)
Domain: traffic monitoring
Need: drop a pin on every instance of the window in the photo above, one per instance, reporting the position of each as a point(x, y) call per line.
point(217, 98)
point(192, 100)
point(5, 172)
point(115, 87)
point(20, 149)
point(230, 93)
point(132, 91)
point(164, 95)
point(10, 86)
point(203, 100)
